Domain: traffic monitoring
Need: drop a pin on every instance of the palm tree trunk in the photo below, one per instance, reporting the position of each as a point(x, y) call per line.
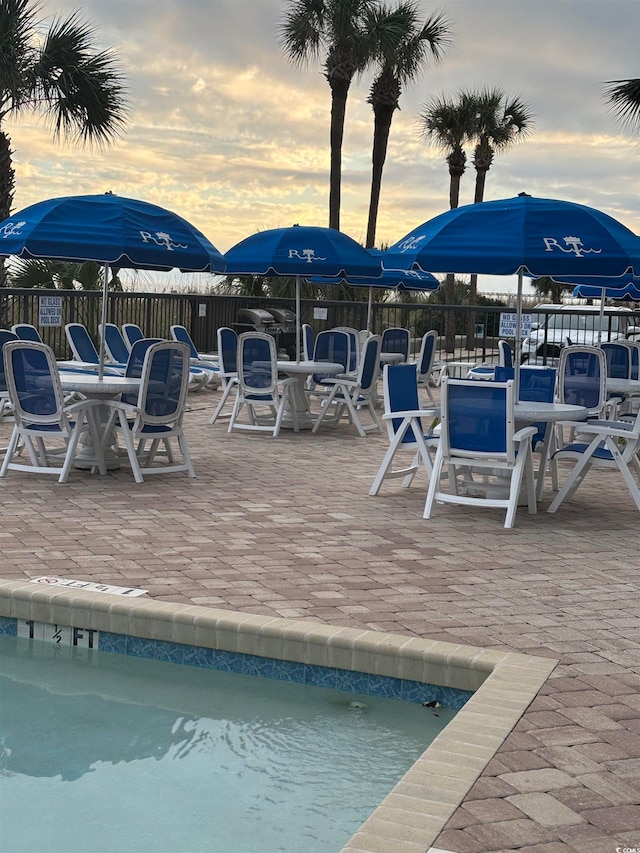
point(455, 174)
point(381, 128)
point(339, 92)
point(7, 185)
point(481, 177)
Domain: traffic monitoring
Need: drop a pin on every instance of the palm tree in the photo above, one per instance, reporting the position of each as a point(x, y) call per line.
point(449, 125)
point(79, 88)
point(500, 121)
point(623, 97)
point(338, 29)
point(405, 47)
point(60, 275)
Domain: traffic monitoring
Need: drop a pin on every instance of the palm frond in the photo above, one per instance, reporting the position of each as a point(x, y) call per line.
point(82, 90)
point(623, 98)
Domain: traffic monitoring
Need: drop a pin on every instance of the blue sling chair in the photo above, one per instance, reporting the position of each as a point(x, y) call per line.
point(409, 426)
point(486, 459)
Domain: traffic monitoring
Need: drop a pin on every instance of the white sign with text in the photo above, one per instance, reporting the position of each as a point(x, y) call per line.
point(50, 311)
point(508, 325)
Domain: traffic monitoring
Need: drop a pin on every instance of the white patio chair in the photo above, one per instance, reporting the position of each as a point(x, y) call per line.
point(259, 387)
point(155, 418)
point(486, 460)
point(410, 427)
point(426, 361)
point(42, 417)
point(605, 444)
point(396, 339)
point(350, 396)
point(27, 332)
point(114, 344)
point(227, 361)
point(131, 333)
point(354, 348)
point(5, 403)
point(334, 346)
point(307, 342)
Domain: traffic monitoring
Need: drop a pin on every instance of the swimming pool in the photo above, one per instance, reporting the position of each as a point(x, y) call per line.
point(189, 758)
point(415, 811)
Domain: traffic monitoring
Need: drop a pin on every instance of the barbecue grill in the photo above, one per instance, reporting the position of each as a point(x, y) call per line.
point(278, 322)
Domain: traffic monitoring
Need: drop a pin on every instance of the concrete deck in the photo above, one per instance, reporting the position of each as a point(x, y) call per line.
point(285, 527)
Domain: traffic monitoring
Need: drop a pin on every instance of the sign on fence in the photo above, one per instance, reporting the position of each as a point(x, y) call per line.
point(508, 325)
point(50, 311)
point(319, 313)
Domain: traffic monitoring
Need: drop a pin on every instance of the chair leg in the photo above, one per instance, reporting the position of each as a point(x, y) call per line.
point(324, 408)
point(434, 484)
point(225, 396)
point(576, 476)
point(11, 449)
point(131, 450)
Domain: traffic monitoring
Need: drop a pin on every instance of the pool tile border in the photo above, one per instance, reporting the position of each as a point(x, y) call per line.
point(414, 813)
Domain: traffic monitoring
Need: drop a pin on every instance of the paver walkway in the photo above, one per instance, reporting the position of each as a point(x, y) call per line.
point(285, 527)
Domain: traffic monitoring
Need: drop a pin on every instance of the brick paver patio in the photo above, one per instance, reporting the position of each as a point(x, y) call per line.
point(285, 527)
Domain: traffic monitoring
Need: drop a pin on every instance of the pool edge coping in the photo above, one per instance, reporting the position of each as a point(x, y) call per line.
point(415, 811)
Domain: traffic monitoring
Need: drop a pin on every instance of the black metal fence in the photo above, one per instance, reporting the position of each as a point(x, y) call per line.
point(203, 314)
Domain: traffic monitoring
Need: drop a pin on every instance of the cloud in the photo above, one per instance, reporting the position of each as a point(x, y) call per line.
point(228, 133)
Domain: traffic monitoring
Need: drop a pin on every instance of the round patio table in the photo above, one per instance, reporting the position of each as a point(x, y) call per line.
point(301, 370)
point(94, 388)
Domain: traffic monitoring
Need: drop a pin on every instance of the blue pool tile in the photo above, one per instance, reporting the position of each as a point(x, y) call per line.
point(8, 626)
point(169, 652)
point(384, 685)
point(116, 643)
point(227, 661)
point(320, 676)
point(354, 682)
point(198, 656)
point(140, 647)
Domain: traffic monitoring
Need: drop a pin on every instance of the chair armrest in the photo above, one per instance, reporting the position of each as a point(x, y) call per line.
point(615, 429)
point(119, 404)
point(524, 433)
point(413, 413)
point(628, 425)
point(79, 405)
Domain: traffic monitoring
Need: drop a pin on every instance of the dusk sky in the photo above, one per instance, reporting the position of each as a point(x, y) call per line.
point(227, 133)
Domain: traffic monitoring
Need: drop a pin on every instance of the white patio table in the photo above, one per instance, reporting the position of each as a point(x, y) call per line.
point(623, 386)
point(301, 370)
point(530, 412)
point(94, 388)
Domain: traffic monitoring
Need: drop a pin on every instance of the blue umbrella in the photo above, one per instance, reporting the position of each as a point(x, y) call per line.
point(519, 235)
point(301, 251)
point(390, 279)
point(629, 292)
point(624, 287)
point(110, 230)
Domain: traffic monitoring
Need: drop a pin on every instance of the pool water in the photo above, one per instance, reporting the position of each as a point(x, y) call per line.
point(110, 753)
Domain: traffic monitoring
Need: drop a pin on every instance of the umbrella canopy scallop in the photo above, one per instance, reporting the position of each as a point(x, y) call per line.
point(301, 250)
point(111, 230)
point(544, 236)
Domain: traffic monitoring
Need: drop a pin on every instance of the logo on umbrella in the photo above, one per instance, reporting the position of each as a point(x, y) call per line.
point(409, 244)
point(308, 255)
point(162, 238)
point(12, 228)
point(574, 245)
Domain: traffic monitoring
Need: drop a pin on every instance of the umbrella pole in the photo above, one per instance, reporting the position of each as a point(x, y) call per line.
point(298, 324)
point(518, 347)
point(105, 297)
point(369, 309)
point(601, 317)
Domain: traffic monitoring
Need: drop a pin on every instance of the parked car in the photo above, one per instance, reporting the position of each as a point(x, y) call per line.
point(576, 325)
